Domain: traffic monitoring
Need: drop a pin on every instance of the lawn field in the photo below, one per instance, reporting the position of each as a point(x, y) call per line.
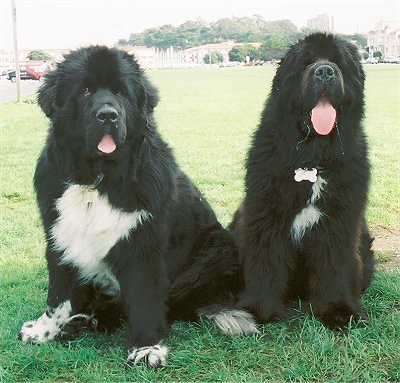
point(207, 117)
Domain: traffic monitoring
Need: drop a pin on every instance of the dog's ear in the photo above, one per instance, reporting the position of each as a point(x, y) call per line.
point(47, 93)
point(356, 59)
point(147, 94)
point(150, 95)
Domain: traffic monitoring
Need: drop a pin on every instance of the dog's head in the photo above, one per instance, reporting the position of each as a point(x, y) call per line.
point(98, 99)
point(319, 78)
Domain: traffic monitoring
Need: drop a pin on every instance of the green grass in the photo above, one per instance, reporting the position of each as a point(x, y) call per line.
point(207, 116)
point(382, 126)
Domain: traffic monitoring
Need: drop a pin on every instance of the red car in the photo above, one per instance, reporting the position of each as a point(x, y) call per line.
point(30, 71)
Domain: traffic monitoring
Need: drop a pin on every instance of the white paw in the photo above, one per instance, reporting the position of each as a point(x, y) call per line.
point(155, 356)
point(48, 326)
point(41, 330)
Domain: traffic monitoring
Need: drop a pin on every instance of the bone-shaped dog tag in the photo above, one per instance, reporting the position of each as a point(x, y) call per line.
point(90, 195)
point(301, 174)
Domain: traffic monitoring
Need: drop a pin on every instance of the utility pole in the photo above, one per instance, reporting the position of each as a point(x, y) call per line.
point(17, 73)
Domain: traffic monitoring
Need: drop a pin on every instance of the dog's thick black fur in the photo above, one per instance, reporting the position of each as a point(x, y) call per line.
point(123, 224)
point(308, 239)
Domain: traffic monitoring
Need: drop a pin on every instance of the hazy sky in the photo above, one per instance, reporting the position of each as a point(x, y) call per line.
point(73, 23)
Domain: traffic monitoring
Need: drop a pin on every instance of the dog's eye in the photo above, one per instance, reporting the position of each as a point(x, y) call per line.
point(119, 93)
point(86, 92)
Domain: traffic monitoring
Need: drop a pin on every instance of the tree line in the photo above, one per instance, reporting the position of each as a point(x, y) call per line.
point(275, 36)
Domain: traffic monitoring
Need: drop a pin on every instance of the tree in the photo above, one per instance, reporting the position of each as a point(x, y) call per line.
point(193, 33)
point(274, 47)
point(213, 58)
point(161, 37)
point(377, 55)
point(39, 56)
point(361, 40)
point(280, 27)
point(240, 52)
point(276, 36)
point(236, 54)
point(239, 29)
point(136, 38)
point(198, 32)
point(304, 31)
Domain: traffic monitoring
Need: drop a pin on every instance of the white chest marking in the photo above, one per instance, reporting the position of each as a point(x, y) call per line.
point(86, 232)
point(310, 215)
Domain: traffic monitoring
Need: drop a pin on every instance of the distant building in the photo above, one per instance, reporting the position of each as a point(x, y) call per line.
point(322, 23)
point(196, 54)
point(152, 57)
point(147, 56)
point(376, 41)
point(384, 40)
point(392, 45)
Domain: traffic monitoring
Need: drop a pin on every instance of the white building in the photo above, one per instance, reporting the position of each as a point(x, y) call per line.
point(385, 40)
point(196, 54)
point(376, 41)
point(392, 45)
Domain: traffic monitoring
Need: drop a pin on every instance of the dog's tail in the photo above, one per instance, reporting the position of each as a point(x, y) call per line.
point(210, 284)
point(230, 320)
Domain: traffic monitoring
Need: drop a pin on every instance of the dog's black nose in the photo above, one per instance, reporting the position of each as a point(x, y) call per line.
point(324, 72)
point(107, 113)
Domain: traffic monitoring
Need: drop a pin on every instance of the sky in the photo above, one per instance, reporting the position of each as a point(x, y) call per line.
point(62, 24)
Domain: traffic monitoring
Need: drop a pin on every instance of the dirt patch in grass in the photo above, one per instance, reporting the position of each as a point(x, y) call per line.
point(387, 246)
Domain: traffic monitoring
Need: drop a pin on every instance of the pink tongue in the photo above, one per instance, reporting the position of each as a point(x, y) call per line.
point(107, 144)
point(323, 117)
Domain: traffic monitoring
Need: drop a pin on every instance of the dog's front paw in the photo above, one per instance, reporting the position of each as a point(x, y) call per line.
point(154, 356)
point(39, 331)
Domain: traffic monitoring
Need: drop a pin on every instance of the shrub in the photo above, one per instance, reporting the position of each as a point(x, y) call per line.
point(213, 58)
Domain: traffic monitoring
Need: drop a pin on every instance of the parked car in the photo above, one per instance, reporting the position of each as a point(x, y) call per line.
point(371, 60)
point(391, 60)
point(4, 73)
point(11, 75)
point(30, 71)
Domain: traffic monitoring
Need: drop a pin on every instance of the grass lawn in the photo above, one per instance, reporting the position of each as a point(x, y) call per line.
point(207, 116)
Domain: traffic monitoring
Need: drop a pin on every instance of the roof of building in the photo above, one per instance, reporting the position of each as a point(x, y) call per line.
point(223, 45)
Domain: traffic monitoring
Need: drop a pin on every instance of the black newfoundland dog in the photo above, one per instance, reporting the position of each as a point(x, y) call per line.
point(301, 227)
point(128, 235)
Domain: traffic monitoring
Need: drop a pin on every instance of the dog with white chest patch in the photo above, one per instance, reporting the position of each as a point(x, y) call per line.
point(301, 228)
point(128, 234)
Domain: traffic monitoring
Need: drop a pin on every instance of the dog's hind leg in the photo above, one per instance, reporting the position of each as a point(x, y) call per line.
point(209, 285)
point(212, 275)
point(367, 255)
